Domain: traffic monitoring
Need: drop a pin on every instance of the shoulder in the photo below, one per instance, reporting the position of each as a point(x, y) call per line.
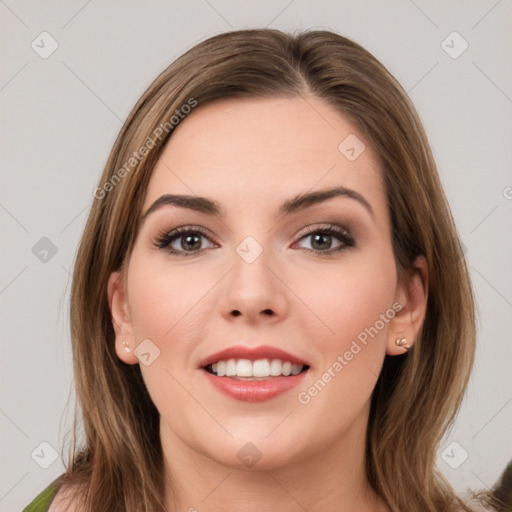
point(66, 500)
point(42, 501)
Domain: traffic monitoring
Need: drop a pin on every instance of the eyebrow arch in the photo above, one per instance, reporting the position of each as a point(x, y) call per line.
point(302, 201)
point(295, 204)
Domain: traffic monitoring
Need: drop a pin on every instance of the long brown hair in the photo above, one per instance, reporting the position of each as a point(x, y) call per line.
point(120, 466)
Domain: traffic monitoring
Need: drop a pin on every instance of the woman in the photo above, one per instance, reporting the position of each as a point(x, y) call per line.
point(269, 299)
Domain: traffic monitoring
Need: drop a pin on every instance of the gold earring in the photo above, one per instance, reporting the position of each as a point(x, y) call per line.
point(126, 346)
point(402, 342)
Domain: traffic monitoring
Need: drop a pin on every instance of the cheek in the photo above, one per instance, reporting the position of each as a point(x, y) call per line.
point(339, 299)
point(167, 305)
point(335, 308)
point(353, 303)
point(349, 296)
point(159, 295)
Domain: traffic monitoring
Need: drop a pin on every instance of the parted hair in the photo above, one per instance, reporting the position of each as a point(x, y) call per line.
point(118, 465)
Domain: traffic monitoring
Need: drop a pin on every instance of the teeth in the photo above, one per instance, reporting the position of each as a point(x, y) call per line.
point(258, 368)
point(276, 367)
point(231, 368)
point(296, 369)
point(243, 368)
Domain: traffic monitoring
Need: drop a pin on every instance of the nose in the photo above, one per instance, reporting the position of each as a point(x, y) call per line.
point(254, 292)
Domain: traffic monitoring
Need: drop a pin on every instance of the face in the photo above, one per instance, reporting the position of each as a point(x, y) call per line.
point(318, 281)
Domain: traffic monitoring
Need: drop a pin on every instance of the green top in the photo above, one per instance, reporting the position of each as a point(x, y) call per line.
point(42, 502)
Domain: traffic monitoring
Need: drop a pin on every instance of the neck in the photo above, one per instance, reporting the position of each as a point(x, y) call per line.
point(331, 477)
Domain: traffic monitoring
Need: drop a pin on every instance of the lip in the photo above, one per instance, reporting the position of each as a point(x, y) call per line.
point(253, 354)
point(254, 390)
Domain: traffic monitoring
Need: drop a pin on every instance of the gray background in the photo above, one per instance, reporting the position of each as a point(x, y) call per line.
point(61, 116)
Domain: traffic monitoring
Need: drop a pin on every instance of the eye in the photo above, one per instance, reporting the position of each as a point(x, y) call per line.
point(322, 239)
point(188, 240)
point(185, 241)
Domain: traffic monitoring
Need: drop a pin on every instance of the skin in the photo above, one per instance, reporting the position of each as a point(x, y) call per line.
point(251, 156)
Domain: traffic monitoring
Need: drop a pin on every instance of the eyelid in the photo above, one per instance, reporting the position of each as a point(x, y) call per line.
point(323, 226)
point(340, 232)
point(165, 238)
point(176, 232)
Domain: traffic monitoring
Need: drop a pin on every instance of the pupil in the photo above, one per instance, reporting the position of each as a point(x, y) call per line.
point(188, 239)
point(316, 237)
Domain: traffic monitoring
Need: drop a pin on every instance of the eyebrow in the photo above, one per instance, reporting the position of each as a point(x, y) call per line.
point(293, 205)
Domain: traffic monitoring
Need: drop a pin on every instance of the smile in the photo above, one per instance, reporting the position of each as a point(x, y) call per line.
point(253, 374)
point(261, 368)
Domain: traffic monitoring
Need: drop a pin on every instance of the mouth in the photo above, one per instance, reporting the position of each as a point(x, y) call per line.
point(261, 369)
point(253, 374)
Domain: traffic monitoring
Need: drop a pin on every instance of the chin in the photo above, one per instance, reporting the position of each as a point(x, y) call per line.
point(256, 453)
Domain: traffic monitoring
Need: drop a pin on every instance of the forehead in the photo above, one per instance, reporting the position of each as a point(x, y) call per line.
point(265, 150)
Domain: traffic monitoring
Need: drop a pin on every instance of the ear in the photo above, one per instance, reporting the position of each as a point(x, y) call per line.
point(121, 322)
point(412, 295)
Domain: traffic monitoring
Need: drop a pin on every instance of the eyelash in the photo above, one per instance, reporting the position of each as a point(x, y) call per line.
point(343, 235)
